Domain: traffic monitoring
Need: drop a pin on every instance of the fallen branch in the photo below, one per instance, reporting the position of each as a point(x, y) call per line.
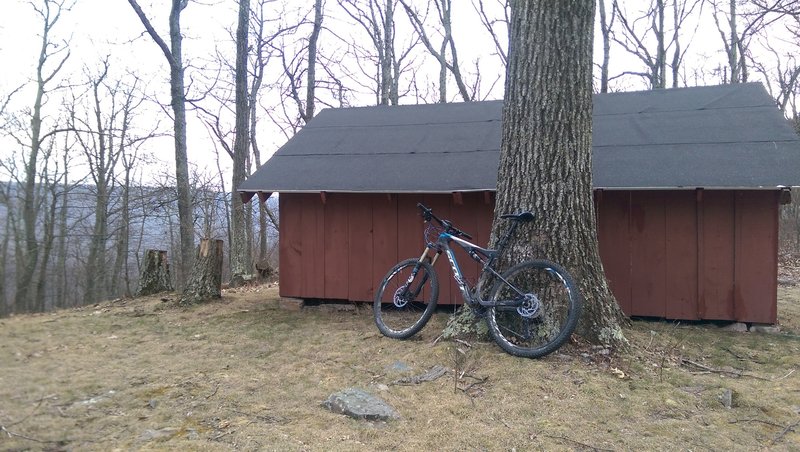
point(762, 421)
point(213, 393)
point(29, 414)
point(736, 373)
point(786, 430)
point(19, 435)
point(479, 381)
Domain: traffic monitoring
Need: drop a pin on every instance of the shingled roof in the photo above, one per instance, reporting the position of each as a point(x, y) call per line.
point(715, 137)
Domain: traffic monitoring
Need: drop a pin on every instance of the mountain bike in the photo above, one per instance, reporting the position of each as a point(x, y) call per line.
point(531, 309)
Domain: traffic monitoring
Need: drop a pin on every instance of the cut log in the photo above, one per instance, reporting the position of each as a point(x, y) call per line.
point(154, 277)
point(205, 282)
point(265, 270)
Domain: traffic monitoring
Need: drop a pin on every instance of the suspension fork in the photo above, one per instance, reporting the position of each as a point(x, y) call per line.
point(414, 292)
point(432, 260)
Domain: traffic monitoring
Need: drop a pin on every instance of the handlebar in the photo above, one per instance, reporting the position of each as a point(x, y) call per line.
point(427, 215)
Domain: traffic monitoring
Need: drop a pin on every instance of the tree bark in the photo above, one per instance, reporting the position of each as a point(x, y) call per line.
point(44, 300)
point(605, 30)
point(545, 158)
point(174, 56)
point(28, 254)
point(98, 155)
point(206, 280)
point(311, 75)
point(387, 53)
point(5, 309)
point(240, 260)
point(155, 276)
point(61, 257)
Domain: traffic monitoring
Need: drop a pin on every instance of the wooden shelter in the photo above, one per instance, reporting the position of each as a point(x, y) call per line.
point(687, 190)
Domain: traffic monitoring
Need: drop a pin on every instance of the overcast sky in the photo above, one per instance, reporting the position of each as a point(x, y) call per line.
point(99, 28)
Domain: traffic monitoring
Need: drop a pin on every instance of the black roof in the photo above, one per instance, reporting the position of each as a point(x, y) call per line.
point(729, 136)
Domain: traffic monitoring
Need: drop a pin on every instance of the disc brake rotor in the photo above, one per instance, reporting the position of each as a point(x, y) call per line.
point(530, 306)
point(400, 298)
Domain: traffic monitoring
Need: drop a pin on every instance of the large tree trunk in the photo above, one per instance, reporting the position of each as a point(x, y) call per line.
point(174, 56)
point(240, 260)
point(181, 160)
point(545, 160)
point(155, 276)
point(206, 280)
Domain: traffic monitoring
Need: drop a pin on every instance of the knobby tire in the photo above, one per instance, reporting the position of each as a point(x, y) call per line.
point(396, 315)
point(529, 332)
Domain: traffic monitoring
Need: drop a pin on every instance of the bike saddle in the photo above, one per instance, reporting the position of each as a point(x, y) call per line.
point(522, 217)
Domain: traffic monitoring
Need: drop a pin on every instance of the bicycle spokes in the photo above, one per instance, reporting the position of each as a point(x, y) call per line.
point(406, 299)
point(539, 319)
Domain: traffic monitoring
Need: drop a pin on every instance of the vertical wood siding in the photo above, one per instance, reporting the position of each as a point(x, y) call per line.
point(673, 254)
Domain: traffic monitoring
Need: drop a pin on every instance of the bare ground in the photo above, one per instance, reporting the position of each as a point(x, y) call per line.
point(246, 373)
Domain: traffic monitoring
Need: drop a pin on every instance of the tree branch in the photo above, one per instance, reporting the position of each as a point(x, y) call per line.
point(152, 32)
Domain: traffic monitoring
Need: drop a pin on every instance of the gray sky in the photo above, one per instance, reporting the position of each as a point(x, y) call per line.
point(98, 28)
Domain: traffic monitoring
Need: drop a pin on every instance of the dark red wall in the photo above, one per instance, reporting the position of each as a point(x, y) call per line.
point(342, 247)
point(691, 254)
point(672, 254)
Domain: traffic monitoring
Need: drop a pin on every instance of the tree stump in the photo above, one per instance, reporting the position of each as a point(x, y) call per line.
point(154, 277)
point(205, 281)
point(265, 270)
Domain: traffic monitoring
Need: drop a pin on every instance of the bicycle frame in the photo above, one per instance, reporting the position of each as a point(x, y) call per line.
point(483, 256)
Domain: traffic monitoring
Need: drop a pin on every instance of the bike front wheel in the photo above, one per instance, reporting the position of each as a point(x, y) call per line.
point(406, 299)
point(540, 307)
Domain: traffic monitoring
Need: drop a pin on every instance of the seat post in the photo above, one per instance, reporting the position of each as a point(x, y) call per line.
point(509, 233)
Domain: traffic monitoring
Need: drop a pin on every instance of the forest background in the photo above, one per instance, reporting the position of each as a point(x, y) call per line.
point(87, 174)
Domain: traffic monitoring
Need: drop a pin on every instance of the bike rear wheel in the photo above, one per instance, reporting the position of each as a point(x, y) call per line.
point(406, 299)
point(551, 306)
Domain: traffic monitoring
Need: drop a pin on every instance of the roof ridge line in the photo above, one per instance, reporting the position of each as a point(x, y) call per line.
point(689, 109)
point(694, 144)
point(317, 154)
point(350, 126)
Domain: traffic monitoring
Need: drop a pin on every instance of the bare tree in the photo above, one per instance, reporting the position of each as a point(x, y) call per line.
point(783, 79)
point(497, 27)
point(5, 236)
point(174, 56)
point(647, 37)
point(240, 261)
point(260, 57)
point(97, 150)
point(377, 19)
point(49, 206)
point(738, 22)
point(444, 10)
point(46, 71)
point(606, 24)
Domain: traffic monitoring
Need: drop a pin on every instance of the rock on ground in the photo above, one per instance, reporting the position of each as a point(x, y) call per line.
point(360, 404)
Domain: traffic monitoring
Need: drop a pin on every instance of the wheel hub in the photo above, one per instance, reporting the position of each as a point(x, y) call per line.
point(530, 306)
point(400, 298)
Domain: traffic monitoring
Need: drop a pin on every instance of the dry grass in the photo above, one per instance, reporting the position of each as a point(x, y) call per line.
point(242, 373)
